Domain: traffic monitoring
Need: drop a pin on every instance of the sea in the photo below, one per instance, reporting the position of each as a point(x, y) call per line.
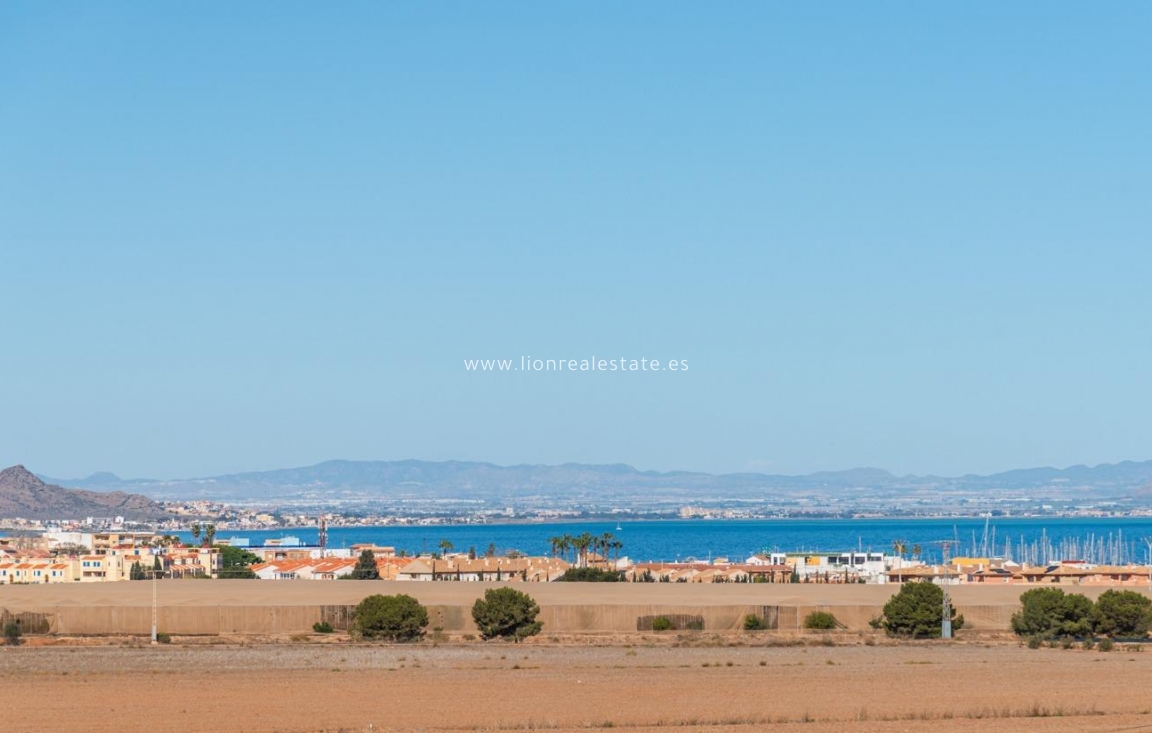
point(1035, 540)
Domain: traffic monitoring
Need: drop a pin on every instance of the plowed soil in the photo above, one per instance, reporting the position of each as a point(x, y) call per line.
point(474, 687)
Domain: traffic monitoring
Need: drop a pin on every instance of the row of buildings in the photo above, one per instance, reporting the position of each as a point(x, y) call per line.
point(66, 557)
point(102, 557)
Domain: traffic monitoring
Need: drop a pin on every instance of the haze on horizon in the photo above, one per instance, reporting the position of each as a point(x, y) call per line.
point(913, 237)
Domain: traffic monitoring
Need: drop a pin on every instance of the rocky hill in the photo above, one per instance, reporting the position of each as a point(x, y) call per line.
point(22, 494)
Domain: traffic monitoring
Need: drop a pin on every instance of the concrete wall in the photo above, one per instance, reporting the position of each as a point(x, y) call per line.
point(287, 607)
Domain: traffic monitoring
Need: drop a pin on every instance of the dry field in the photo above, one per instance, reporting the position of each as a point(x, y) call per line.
point(477, 687)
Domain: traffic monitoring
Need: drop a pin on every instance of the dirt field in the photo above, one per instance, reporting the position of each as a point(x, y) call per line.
point(320, 687)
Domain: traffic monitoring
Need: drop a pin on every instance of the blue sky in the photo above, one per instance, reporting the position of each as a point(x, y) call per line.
point(244, 236)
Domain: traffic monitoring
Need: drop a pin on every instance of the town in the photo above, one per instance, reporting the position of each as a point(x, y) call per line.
point(121, 555)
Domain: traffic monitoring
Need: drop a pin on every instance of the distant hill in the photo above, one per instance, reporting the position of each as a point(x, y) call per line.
point(486, 481)
point(22, 494)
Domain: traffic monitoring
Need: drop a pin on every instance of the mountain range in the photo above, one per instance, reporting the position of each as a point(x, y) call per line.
point(464, 480)
point(23, 494)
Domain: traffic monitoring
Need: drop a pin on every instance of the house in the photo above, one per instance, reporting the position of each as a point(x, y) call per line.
point(463, 568)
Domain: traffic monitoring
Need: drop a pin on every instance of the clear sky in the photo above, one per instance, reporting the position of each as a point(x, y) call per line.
point(237, 236)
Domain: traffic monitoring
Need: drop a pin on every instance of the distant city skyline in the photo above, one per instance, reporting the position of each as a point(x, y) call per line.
point(911, 237)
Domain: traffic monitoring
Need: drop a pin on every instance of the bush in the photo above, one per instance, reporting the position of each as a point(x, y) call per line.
point(506, 612)
point(1035, 642)
point(12, 633)
point(1106, 644)
point(591, 575)
point(662, 623)
point(162, 638)
point(1122, 613)
point(753, 622)
point(820, 620)
point(393, 618)
point(1049, 613)
point(322, 627)
point(916, 612)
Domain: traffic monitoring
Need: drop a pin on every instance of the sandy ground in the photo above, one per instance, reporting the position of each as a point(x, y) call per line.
point(495, 686)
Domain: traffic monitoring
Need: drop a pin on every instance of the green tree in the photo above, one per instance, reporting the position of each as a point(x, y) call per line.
point(392, 618)
point(446, 546)
point(591, 575)
point(209, 534)
point(366, 567)
point(916, 612)
point(136, 572)
point(506, 612)
point(196, 531)
point(12, 633)
point(1049, 612)
point(234, 562)
point(1122, 613)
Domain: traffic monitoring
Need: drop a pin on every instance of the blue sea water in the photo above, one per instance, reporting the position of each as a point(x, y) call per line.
point(737, 539)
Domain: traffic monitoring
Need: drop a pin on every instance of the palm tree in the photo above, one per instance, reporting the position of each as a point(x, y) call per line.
point(196, 531)
point(916, 551)
point(583, 543)
point(209, 534)
point(559, 544)
point(606, 542)
point(900, 547)
point(446, 546)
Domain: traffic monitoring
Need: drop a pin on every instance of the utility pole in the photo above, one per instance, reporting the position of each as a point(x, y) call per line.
point(946, 611)
point(154, 614)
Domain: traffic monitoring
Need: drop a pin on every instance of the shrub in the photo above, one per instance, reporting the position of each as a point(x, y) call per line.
point(820, 620)
point(696, 624)
point(1122, 613)
point(1106, 644)
point(393, 618)
point(661, 623)
point(916, 612)
point(162, 638)
point(1089, 643)
point(1035, 642)
point(322, 627)
point(591, 575)
point(12, 633)
point(1049, 613)
point(752, 622)
point(506, 612)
